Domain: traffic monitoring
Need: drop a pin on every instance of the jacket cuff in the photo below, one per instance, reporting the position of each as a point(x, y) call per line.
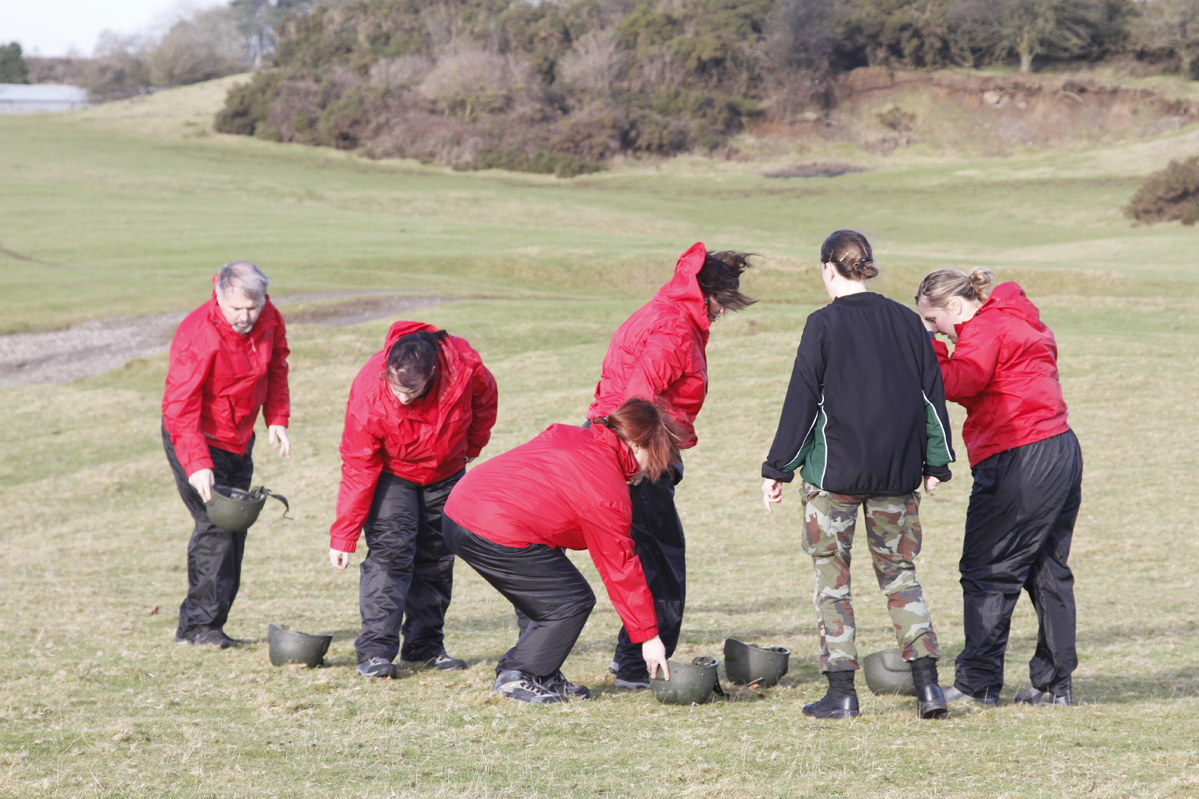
point(342, 544)
point(277, 419)
point(771, 473)
point(942, 473)
point(641, 636)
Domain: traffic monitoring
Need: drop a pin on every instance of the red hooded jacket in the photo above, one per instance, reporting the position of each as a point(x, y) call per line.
point(659, 352)
point(1004, 372)
point(567, 488)
point(424, 442)
point(218, 379)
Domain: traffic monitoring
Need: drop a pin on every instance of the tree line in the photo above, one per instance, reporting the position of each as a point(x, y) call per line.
point(565, 85)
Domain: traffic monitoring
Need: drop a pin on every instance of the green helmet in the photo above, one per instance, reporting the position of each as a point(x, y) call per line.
point(888, 673)
point(746, 664)
point(235, 510)
point(289, 646)
point(689, 683)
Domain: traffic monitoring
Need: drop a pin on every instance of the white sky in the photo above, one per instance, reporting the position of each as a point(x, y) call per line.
point(56, 27)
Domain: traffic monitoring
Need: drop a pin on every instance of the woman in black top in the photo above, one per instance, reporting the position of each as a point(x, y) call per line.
point(864, 422)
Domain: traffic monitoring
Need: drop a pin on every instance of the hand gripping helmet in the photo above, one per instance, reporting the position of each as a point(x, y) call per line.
point(289, 646)
point(888, 673)
point(235, 510)
point(689, 683)
point(747, 664)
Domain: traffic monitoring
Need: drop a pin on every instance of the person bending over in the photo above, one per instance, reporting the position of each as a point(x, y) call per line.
point(864, 422)
point(419, 411)
point(512, 517)
point(1027, 469)
point(659, 354)
point(228, 361)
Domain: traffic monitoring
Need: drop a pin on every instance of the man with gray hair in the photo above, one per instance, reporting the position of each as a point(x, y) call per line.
point(228, 361)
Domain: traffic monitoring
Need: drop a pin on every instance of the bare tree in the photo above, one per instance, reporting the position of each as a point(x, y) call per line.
point(1173, 26)
point(593, 65)
point(469, 82)
point(202, 48)
point(1030, 28)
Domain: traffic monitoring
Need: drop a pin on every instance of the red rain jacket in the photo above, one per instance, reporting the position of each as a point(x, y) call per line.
point(1004, 372)
point(424, 442)
point(218, 379)
point(567, 488)
point(658, 353)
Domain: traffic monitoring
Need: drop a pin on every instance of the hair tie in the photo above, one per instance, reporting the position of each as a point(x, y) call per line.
point(602, 420)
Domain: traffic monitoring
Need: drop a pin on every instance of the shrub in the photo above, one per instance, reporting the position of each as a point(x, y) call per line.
point(249, 105)
point(1168, 194)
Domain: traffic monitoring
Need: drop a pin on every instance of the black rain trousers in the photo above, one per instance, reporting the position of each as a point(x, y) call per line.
point(551, 596)
point(1018, 530)
point(407, 576)
point(658, 537)
point(213, 554)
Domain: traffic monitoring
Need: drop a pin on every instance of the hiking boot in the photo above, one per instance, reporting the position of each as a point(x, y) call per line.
point(377, 667)
point(954, 694)
point(842, 707)
point(930, 699)
point(525, 688)
point(444, 662)
point(841, 701)
point(560, 685)
point(614, 667)
point(1038, 698)
point(633, 683)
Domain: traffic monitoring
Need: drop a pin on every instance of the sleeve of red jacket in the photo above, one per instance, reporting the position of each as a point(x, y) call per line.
point(485, 397)
point(970, 369)
point(278, 396)
point(361, 464)
point(189, 369)
point(606, 533)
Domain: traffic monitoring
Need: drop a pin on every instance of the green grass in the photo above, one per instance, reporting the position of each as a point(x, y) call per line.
point(95, 700)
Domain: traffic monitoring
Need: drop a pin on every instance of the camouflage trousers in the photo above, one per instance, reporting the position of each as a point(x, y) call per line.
point(893, 535)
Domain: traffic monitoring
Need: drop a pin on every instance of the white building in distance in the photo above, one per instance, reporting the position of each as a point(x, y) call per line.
point(20, 98)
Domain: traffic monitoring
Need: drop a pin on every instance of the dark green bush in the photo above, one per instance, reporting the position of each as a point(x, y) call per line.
point(249, 105)
point(1169, 194)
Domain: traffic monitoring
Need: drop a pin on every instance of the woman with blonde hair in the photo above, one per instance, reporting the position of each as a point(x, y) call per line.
point(1027, 470)
point(864, 424)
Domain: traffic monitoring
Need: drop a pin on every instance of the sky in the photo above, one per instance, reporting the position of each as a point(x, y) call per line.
point(63, 27)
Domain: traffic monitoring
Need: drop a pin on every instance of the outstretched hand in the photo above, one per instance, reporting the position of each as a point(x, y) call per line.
point(772, 493)
point(653, 652)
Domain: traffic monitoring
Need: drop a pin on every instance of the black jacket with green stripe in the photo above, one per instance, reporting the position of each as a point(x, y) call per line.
point(865, 410)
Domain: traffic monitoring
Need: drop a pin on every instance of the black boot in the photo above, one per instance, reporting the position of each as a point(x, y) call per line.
point(930, 701)
point(841, 701)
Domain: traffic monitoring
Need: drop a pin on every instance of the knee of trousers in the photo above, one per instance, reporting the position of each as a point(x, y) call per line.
point(574, 606)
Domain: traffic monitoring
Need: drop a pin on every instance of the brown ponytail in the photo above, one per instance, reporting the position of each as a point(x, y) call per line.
point(850, 253)
point(647, 426)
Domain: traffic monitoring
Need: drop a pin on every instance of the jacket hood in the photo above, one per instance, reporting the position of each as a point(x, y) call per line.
point(684, 289)
point(624, 453)
point(1008, 298)
point(401, 329)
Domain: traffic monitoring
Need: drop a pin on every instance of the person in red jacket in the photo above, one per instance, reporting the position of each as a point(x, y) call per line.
point(659, 354)
point(228, 360)
point(1027, 470)
point(511, 518)
point(419, 411)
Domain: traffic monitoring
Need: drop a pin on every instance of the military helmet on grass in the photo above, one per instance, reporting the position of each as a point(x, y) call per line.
point(888, 673)
point(289, 646)
point(746, 664)
point(689, 683)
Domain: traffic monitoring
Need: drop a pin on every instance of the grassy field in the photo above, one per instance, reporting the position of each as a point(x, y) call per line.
point(128, 209)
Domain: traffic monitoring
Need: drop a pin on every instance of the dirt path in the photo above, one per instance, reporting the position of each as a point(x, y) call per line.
point(99, 346)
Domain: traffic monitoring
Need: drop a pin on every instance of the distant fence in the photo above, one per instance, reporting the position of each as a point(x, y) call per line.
point(19, 98)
